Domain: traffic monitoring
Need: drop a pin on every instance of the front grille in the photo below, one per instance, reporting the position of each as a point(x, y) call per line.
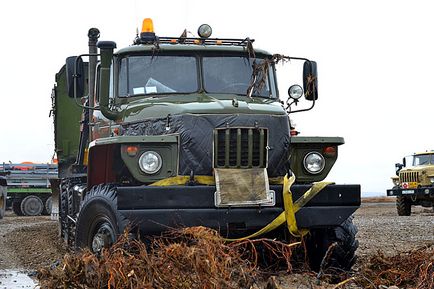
point(406, 177)
point(240, 147)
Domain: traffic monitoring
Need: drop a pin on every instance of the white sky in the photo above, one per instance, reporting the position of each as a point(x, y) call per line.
point(375, 61)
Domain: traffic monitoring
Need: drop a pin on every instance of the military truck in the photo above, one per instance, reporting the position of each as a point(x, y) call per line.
point(414, 182)
point(29, 189)
point(190, 131)
point(3, 196)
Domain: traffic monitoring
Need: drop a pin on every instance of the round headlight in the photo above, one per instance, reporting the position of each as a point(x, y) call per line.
point(150, 162)
point(295, 91)
point(204, 31)
point(314, 162)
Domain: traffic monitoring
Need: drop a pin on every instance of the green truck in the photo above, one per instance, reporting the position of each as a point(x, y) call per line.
point(414, 182)
point(191, 131)
point(28, 187)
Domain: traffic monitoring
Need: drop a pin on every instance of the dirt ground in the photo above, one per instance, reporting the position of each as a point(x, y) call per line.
point(28, 243)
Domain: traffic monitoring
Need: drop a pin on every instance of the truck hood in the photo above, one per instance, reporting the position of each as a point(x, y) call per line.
point(138, 109)
point(419, 169)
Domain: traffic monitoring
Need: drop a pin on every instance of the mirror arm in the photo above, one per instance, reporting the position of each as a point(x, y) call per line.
point(288, 110)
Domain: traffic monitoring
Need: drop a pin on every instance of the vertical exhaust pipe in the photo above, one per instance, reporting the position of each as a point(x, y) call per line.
point(93, 35)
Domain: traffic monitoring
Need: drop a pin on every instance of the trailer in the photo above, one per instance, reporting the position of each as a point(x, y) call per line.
point(28, 187)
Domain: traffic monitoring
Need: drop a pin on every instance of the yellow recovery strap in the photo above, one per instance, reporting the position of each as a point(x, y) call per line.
point(290, 207)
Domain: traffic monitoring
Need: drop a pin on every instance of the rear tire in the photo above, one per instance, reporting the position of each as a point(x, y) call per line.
point(403, 206)
point(16, 207)
point(66, 214)
point(342, 256)
point(32, 206)
point(99, 223)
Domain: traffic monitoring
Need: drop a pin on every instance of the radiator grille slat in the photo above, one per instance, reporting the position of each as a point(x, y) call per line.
point(240, 148)
point(407, 177)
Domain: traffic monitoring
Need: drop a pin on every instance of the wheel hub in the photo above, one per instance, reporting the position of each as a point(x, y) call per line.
point(103, 238)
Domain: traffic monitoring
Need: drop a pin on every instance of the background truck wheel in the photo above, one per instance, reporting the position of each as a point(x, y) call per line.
point(403, 206)
point(16, 208)
point(48, 206)
point(32, 206)
point(99, 223)
point(341, 256)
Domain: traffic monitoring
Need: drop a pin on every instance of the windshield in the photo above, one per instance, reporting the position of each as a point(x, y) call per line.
point(421, 160)
point(167, 74)
point(140, 75)
point(233, 75)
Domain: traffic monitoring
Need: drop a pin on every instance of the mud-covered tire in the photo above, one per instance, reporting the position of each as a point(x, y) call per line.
point(16, 208)
point(338, 243)
point(32, 205)
point(66, 225)
point(99, 223)
point(403, 206)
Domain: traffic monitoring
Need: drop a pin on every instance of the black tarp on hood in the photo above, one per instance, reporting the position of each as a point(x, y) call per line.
point(196, 138)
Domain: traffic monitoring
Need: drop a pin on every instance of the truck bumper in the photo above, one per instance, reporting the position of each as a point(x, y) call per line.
point(423, 192)
point(154, 209)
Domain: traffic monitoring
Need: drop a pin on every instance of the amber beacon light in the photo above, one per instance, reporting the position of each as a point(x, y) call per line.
point(147, 34)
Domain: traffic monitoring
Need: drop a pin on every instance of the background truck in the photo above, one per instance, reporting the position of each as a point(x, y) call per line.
point(29, 189)
point(179, 131)
point(3, 195)
point(414, 183)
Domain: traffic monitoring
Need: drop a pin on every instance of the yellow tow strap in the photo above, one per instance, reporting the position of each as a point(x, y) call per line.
point(182, 180)
point(290, 207)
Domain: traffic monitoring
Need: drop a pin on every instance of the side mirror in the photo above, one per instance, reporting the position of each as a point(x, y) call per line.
point(75, 71)
point(310, 80)
point(398, 167)
point(404, 162)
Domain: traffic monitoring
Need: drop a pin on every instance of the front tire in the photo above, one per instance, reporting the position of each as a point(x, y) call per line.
point(341, 256)
point(99, 223)
point(403, 206)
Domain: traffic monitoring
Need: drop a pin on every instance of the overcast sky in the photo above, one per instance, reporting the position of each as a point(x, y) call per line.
point(375, 62)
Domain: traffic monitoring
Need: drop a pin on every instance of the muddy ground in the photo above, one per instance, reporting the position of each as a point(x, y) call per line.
point(28, 243)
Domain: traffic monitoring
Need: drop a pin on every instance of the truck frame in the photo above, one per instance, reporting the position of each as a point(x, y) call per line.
point(29, 189)
point(414, 183)
point(180, 131)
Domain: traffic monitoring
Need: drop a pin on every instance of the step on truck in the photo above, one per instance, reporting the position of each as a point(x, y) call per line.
point(29, 187)
point(414, 182)
point(191, 131)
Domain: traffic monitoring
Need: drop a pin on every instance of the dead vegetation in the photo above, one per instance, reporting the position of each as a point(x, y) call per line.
point(198, 257)
point(195, 257)
point(412, 269)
